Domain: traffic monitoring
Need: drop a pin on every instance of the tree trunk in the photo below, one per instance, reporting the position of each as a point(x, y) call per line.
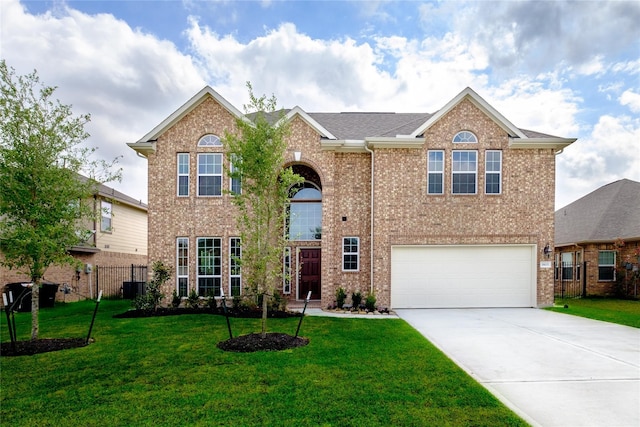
point(35, 308)
point(264, 315)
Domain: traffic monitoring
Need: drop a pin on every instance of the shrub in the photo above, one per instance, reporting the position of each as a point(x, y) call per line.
point(356, 299)
point(150, 300)
point(175, 299)
point(341, 295)
point(211, 301)
point(370, 302)
point(193, 301)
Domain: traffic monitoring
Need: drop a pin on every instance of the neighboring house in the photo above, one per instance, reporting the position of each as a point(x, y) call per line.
point(451, 209)
point(118, 239)
point(597, 243)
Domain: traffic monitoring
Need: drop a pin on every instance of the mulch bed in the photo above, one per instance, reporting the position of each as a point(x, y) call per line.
point(29, 348)
point(254, 342)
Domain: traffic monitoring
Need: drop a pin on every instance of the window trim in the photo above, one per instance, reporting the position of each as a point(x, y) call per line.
point(234, 265)
point(567, 266)
point(234, 181)
point(183, 174)
point(216, 262)
point(435, 172)
point(286, 270)
point(608, 266)
point(487, 172)
point(454, 172)
point(464, 134)
point(215, 155)
point(350, 253)
point(210, 140)
point(106, 214)
point(180, 276)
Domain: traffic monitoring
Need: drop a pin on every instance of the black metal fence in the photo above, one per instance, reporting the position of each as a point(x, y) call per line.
point(120, 281)
point(570, 280)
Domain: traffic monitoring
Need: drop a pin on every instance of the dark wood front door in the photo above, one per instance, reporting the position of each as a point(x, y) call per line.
point(309, 273)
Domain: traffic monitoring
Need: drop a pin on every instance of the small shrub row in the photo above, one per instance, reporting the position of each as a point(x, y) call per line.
point(368, 305)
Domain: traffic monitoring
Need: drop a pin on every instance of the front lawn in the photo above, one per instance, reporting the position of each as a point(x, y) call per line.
point(168, 371)
point(623, 312)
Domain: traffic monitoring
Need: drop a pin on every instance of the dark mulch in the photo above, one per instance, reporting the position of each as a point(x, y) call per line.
point(29, 348)
point(254, 342)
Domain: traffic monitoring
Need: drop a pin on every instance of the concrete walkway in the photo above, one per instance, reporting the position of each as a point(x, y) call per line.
point(552, 369)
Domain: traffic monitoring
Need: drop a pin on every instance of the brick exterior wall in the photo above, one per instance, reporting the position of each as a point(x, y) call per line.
point(404, 213)
point(626, 254)
point(77, 283)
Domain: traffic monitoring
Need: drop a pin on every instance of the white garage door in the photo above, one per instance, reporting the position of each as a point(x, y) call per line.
point(463, 276)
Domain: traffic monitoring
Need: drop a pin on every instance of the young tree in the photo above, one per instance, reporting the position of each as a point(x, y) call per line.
point(42, 197)
point(257, 154)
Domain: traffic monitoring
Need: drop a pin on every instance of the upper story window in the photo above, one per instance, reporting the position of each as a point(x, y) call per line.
point(435, 172)
point(493, 172)
point(105, 214)
point(464, 172)
point(465, 137)
point(235, 184)
point(210, 174)
point(305, 212)
point(210, 140)
point(183, 174)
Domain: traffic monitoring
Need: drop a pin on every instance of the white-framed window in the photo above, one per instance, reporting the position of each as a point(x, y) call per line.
point(183, 174)
point(209, 266)
point(464, 171)
point(305, 212)
point(493, 172)
point(235, 277)
point(235, 184)
point(210, 174)
point(435, 172)
point(286, 271)
point(567, 266)
point(210, 140)
point(182, 266)
point(465, 137)
point(606, 266)
point(106, 222)
point(350, 254)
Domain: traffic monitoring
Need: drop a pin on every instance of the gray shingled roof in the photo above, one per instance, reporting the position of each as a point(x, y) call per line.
point(362, 125)
point(610, 212)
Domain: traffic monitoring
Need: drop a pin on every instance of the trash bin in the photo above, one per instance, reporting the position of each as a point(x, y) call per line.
point(48, 295)
point(130, 290)
point(21, 296)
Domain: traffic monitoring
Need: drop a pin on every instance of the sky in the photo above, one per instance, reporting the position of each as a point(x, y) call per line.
point(569, 69)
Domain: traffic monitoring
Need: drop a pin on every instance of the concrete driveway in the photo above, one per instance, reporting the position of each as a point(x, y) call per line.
point(552, 369)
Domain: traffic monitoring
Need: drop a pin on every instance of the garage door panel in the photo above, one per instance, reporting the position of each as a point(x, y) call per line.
point(462, 276)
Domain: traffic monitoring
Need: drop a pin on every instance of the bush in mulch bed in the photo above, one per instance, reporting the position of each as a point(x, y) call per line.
point(172, 311)
point(254, 342)
point(45, 345)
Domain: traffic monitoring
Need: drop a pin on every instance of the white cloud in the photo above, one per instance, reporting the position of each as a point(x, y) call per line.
point(610, 153)
point(127, 80)
point(631, 99)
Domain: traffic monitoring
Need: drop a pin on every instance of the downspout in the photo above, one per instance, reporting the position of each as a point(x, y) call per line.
point(366, 147)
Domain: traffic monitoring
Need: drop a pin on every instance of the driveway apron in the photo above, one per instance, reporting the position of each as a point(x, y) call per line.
point(552, 369)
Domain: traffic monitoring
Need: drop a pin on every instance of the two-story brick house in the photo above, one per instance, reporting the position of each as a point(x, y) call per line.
point(452, 209)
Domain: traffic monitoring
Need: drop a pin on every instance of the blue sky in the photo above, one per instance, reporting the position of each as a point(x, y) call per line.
point(569, 69)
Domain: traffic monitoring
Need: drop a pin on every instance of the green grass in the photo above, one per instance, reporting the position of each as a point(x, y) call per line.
point(168, 371)
point(623, 312)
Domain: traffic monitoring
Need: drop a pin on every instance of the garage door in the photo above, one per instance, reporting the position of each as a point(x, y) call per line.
point(463, 276)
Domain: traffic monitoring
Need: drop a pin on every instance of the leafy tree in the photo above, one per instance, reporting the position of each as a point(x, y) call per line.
point(258, 159)
point(42, 197)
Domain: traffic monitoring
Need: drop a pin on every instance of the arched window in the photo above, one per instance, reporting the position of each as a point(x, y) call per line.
point(209, 140)
point(465, 137)
point(305, 212)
